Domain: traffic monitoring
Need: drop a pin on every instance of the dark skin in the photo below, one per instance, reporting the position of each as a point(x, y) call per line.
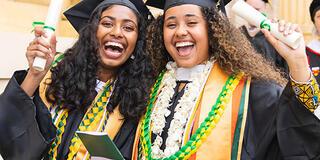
point(121, 30)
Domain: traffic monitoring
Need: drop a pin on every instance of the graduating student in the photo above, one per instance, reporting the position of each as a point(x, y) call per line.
point(216, 98)
point(313, 48)
point(100, 84)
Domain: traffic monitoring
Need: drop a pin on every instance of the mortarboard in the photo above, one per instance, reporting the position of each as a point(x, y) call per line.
point(314, 7)
point(79, 14)
point(166, 4)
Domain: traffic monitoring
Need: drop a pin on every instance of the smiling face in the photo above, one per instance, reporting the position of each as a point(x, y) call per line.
point(117, 34)
point(185, 35)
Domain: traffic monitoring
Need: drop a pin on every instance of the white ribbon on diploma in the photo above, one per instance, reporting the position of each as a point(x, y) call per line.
point(51, 22)
point(254, 17)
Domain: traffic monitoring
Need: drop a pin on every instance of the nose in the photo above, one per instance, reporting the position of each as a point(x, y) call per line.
point(116, 32)
point(181, 30)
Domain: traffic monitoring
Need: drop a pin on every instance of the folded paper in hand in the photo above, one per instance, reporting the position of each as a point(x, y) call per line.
point(100, 146)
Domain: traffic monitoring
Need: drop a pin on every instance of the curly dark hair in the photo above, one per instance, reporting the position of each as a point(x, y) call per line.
point(227, 45)
point(73, 79)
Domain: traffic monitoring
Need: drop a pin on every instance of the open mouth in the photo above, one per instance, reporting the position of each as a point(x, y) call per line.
point(184, 48)
point(113, 49)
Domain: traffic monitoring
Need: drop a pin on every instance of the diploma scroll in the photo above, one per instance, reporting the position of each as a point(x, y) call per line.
point(254, 17)
point(50, 25)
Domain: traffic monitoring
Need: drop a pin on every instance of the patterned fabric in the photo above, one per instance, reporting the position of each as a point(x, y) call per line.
point(96, 113)
point(307, 93)
point(60, 130)
point(91, 119)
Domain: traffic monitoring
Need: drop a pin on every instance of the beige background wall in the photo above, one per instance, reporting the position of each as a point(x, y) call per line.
point(16, 17)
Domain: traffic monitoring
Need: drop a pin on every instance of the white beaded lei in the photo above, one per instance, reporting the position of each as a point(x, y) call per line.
point(182, 111)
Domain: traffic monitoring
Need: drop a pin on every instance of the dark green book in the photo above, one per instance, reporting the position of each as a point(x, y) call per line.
point(100, 145)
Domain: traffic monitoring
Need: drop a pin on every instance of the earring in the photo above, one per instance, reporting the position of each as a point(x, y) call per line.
point(132, 57)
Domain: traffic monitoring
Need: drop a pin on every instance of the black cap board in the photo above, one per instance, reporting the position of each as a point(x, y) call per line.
point(79, 14)
point(166, 4)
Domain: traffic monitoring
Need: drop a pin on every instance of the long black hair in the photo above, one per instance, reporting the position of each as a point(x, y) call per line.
point(73, 79)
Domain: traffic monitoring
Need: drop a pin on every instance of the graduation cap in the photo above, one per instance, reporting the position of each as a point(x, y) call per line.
point(79, 14)
point(314, 7)
point(166, 4)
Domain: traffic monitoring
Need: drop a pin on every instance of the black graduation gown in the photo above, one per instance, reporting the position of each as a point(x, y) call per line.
point(278, 126)
point(264, 47)
point(27, 129)
point(314, 61)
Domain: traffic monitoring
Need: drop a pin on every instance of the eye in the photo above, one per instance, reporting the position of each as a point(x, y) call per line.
point(128, 28)
point(107, 24)
point(192, 23)
point(171, 25)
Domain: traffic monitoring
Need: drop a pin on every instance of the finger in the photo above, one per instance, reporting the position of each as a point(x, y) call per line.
point(274, 20)
point(34, 54)
point(40, 48)
point(38, 32)
point(41, 41)
point(281, 25)
point(53, 44)
point(298, 29)
point(286, 28)
point(269, 37)
point(292, 28)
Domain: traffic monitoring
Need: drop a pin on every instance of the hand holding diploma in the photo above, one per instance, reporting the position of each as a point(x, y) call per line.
point(296, 58)
point(49, 28)
point(38, 48)
point(256, 18)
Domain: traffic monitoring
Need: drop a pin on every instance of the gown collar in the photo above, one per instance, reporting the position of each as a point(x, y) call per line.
point(184, 74)
point(315, 45)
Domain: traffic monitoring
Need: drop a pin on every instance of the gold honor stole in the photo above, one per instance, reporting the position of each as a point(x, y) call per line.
point(113, 125)
point(225, 140)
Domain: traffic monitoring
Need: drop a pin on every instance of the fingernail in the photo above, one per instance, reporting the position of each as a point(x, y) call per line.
point(281, 28)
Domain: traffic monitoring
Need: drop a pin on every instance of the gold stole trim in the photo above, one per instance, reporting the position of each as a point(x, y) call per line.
point(218, 144)
point(244, 120)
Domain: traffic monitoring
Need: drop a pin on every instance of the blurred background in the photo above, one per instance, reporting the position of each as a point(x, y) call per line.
point(16, 17)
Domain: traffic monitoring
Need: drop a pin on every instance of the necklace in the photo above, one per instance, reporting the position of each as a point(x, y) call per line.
point(202, 132)
point(182, 111)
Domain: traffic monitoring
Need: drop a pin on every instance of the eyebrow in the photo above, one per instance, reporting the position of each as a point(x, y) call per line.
point(125, 20)
point(186, 16)
point(171, 17)
point(191, 15)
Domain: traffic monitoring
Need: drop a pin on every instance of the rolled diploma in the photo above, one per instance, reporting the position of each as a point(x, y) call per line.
point(51, 21)
point(254, 17)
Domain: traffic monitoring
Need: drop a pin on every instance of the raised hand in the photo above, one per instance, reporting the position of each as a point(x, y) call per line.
point(296, 58)
point(38, 48)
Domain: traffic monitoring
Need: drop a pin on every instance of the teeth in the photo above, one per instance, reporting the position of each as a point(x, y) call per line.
point(184, 44)
point(114, 44)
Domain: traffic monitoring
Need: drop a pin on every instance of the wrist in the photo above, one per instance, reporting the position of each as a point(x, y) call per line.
point(302, 74)
point(31, 83)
